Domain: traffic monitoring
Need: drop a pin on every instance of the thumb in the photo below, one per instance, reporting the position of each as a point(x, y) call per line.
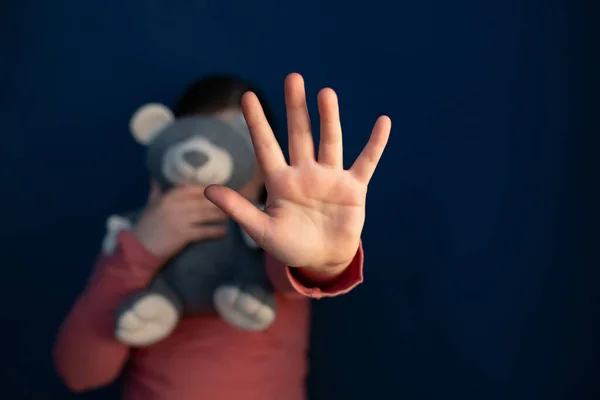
point(252, 219)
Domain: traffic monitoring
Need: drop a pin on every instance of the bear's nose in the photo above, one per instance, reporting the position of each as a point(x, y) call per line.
point(195, 158)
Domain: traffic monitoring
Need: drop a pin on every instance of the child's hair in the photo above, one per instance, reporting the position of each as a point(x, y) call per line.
point(214, 93)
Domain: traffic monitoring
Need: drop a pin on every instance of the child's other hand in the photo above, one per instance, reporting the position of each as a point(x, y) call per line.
point(315, 209)
point(173, 220)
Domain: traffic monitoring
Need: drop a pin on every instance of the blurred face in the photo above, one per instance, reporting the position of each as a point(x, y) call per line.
point(253, 189)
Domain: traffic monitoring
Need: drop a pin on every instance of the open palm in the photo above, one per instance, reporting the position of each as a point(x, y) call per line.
point(315, 209)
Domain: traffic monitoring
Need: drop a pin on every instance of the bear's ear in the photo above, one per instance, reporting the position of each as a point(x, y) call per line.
point(148, 121)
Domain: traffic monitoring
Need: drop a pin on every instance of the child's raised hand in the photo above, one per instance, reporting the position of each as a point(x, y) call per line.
point(315, 209)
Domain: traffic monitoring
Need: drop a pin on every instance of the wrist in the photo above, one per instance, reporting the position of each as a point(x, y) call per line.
point(150, 245)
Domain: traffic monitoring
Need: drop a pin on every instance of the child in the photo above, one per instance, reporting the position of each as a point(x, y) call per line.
point(310, 231)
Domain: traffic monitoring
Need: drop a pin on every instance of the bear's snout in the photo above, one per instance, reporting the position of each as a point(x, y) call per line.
point(197, 161)
point(195, 158)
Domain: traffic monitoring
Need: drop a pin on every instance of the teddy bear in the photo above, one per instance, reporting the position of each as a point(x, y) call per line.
point(224, 276)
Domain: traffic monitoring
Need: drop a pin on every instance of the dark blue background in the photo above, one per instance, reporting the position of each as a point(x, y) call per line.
point(481, 246)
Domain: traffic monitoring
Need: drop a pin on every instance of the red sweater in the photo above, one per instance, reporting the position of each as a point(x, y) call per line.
point(204, 358)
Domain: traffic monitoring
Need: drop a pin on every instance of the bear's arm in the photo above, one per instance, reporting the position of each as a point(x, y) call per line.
point(289, 280)
point(86, 354)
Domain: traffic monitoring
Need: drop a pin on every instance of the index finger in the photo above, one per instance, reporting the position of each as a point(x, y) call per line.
point(268, 152)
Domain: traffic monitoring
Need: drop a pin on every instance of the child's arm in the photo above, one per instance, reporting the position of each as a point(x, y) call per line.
point(86, 354)
point(300, 282)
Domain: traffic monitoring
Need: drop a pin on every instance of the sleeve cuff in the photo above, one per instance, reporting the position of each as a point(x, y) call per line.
point(135, 254)
point(348, 280)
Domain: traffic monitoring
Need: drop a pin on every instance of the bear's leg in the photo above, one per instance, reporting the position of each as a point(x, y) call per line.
point(149, 316)
point(247, 306)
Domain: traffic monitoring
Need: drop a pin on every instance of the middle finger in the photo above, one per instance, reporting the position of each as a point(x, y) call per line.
point(301, 145)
